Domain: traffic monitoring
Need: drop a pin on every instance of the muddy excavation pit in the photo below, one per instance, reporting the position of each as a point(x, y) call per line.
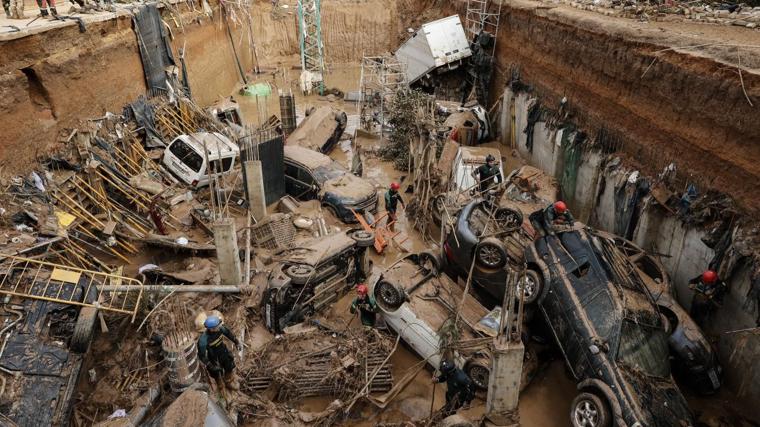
point(220, 174)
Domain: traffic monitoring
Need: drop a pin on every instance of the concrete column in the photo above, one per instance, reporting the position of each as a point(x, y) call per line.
point(504, 383)
point(227, 255)
point(254, 188)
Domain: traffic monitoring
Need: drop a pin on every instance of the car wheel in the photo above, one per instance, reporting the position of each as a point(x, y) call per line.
point(299, 273)
point(363, 238)
point(389, 295)
point(508, 219)
point(430, 261)
point(479, 373)
point(83, 330)
point(589, 410)
point(531, 285)
point(490, 253)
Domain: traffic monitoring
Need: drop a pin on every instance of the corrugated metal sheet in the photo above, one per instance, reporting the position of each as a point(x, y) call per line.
point(436, 44)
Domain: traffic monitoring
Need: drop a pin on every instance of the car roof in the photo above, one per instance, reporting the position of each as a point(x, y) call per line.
point(478, 154)
point(215, 143)
point(307, 157)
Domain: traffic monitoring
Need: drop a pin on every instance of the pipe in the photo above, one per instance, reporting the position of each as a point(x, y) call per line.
point(173, 288)
point(143, 405)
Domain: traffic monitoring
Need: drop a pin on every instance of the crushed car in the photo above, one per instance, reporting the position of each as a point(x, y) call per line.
point(416, 302)
point(489, 241)
point(313, 275)
point(608, 327)
point(193, 158)
point(320, 130)
point(311, 175)
point(695, 361)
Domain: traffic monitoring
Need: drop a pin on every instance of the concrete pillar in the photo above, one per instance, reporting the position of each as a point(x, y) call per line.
point(504, 383)
point(227, 255)
point(254, 188)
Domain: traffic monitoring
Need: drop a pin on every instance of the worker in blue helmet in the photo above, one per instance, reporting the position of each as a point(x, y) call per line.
point(214, 354)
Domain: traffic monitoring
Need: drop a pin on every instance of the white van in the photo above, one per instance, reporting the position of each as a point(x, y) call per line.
point(185, 159)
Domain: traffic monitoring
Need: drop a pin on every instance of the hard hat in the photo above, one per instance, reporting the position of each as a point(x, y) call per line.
point(361, 289)
point(560, 207)
point(212, 322)
point(395, 185)
point(709, 276)
point(490, 158)
point(446, 366)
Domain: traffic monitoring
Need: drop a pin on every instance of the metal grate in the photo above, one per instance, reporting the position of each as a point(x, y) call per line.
point(277, 232)
point(30, 278)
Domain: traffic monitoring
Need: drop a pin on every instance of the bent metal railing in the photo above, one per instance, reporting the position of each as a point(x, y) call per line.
point(30, 278)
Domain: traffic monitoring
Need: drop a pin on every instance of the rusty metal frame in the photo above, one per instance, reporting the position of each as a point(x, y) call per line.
point(19, 277)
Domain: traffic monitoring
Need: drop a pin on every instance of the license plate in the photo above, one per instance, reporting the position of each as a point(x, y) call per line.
point(713, 378)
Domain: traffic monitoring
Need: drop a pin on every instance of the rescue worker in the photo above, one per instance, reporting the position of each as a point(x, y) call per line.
point(557, 214)
point(487, 173)
point(708, 296)
point(214, 354)
point(365, 304)
point(460, 389)
point(392, 199)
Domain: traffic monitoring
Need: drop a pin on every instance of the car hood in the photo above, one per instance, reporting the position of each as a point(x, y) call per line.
point(660, 402)
point(350, 188)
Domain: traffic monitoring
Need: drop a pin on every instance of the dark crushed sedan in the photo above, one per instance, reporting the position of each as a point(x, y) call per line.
point(489, 240)
point(313, 175)
point(695, 361)
point(609, 329)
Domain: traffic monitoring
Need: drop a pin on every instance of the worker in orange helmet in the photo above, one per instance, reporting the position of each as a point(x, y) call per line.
point(365, 304)
point(557, 214)
point(392, 199)
point(708, 296)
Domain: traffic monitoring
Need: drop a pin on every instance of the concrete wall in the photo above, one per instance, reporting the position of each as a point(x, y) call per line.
point(684, 255)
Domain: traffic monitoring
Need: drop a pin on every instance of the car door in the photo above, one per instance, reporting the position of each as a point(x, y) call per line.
point(309, 184)
point(292, 184)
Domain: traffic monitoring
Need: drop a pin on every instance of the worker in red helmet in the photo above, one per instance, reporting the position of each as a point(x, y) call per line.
point(557, 214)
point(365, 304)
point(708, 296)
point(392, 199)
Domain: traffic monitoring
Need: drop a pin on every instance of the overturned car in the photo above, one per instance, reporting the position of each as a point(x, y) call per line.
point(419, 303)
point(314, 275)
point(609, 329)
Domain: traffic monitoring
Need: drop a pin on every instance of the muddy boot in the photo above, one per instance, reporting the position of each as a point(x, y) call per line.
point(53, 12)
point(44, 13)
point(231, 381)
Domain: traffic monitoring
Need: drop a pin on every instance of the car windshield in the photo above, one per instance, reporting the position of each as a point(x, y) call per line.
point(644, 349)
point(325, 173)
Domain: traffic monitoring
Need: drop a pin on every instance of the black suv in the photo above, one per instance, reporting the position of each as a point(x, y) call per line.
point(313, 275)
point(609, 330)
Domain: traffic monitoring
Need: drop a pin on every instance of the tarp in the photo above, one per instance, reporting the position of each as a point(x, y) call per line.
point(155, 50)
point(272, 157)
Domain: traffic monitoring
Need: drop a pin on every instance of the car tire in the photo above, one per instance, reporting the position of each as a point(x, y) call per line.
point(389, 295)
point(491, 254)
point(532, 285)
point(589, 409)
point(430, 259)
point(479, 372)
point(508, 219)
point(83, 330)
point(299, 273)
point(363, 238)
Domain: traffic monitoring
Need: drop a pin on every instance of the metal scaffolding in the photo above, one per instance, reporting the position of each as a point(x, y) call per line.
point(483, 15)
point(312, 49)
point(381, 78)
